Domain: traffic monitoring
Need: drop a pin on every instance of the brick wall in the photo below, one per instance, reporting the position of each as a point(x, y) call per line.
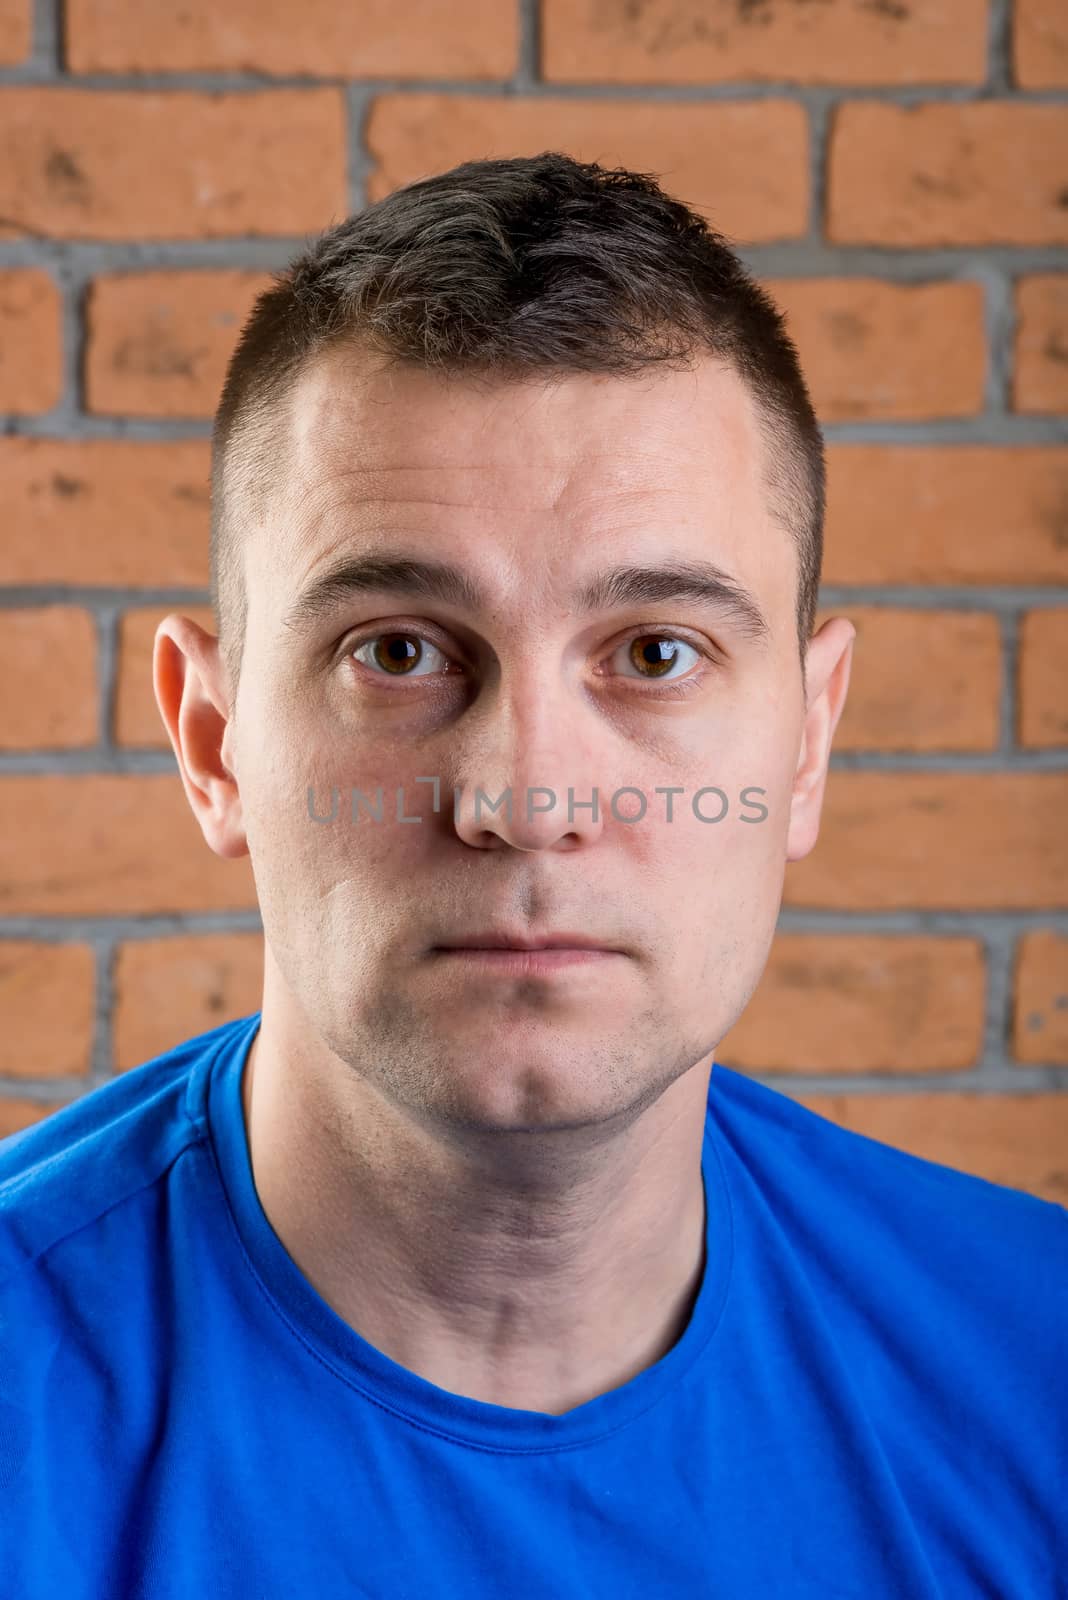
point(896, 172)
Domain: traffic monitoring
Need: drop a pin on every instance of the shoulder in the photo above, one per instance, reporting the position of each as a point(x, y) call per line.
point(944, 1296)
point(61, 1175)
point(911, 1226)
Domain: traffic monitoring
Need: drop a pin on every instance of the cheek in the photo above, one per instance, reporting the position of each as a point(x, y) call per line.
point(719, 882)
point(377, 824)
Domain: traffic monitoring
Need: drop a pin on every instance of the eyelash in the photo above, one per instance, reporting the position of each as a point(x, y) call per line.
point(674, 686)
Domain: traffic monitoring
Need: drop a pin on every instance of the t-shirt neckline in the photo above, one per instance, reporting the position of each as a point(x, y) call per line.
point(329, 1339)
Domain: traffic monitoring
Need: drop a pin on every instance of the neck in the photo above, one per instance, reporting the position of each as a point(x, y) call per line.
point(534, 1271)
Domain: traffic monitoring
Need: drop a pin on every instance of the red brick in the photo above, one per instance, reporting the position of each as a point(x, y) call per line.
point(665, 41)
point(110, 844)
point(137, 718)
point(1040, 998)
point(920, 680)
point(31, 341)
point(956, 841)
point(168, 990)
point(1040, 44)
point(758, 191)
point(466, 39)
point(979, 172)
point(967, 514)
point(862, 1003)
point(159, 342)
point(1042, 705)
point(105, 511)
point(83, 164)
point(872, 350)
point(47, 998)
point(51, 652)
point(1014, 1139)
point(1040, 366)
point(16, 31)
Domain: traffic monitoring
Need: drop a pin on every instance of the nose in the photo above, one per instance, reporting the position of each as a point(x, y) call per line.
point(529, 777)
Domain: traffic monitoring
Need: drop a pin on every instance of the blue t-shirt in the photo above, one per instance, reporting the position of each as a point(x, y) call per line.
point(870, 1398)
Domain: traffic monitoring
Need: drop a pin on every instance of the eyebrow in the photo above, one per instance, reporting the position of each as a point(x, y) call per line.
point(690, 580)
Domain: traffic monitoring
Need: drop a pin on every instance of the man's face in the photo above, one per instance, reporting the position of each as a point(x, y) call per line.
point(533, 491)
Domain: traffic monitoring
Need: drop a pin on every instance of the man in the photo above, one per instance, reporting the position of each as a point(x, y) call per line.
point(460, 1269)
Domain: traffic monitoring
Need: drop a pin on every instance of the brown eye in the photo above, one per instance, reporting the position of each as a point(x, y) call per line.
point(655, 654)
point(396, 652)
point(399, 655)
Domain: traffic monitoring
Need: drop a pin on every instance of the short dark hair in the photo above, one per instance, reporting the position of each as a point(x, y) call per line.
point(511, 268)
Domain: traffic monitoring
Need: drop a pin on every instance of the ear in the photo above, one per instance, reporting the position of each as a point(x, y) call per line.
point(827, 668)
point(190, 684)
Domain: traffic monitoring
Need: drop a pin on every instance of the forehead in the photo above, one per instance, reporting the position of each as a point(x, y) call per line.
point(658, 430)
point(529, 481)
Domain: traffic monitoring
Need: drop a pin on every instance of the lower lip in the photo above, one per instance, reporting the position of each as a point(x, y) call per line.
point(527, 963)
